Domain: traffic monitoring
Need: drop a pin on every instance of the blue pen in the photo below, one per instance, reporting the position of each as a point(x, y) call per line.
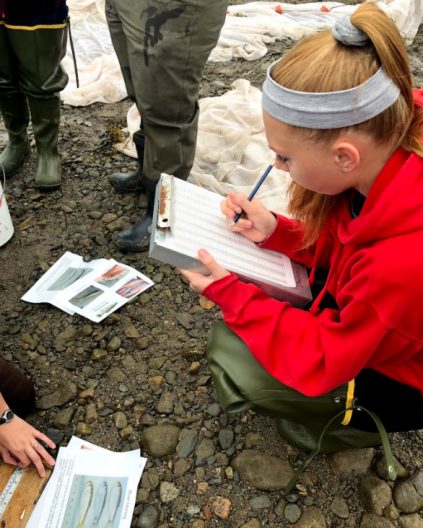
point(256, 188)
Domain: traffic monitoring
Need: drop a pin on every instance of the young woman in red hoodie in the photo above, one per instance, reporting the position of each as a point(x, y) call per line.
point(342, 118)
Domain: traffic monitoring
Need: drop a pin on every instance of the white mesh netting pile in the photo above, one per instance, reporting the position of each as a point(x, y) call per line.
point(231, 149)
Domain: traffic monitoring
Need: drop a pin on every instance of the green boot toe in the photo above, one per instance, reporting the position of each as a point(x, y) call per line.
point(14, 110)
point(45, 116)
point(14, 154)
point(49, 171)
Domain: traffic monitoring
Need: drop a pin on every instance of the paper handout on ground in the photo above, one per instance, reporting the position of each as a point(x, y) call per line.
point(92, 289)
point(90, 486)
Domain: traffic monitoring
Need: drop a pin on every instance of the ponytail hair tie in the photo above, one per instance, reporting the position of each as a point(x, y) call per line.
point(345, 32)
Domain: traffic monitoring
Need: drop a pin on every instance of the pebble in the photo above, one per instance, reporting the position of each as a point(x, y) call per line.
point(340, 508)
point(160, 440)
point(312, 518)
point(370, 520)
point(221, 507)
point(292, 513)
point(168, 492)
point(408, 495)
point(260, 502)
point(352, 461)
point(66, 392)
point(375, 494)
point(263, 471)
point(149, 517)
point(120, 420)
point(187, 442)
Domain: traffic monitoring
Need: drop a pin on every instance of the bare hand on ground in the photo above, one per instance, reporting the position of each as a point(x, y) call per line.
point(20, 446)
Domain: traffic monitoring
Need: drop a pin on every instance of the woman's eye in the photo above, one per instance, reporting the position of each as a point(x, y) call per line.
point(282, 159)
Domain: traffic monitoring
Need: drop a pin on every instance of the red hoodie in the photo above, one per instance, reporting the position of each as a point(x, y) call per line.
point(375, 265)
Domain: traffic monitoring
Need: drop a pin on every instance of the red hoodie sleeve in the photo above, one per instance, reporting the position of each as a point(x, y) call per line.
point(288, 238)
point(312, 354)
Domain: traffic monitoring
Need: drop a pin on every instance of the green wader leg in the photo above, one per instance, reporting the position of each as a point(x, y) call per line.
point(162, 47)
point(14, 110)
point(41, 77)
point(242, 384)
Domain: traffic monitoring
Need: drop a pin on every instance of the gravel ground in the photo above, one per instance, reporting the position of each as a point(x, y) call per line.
point(140, 378)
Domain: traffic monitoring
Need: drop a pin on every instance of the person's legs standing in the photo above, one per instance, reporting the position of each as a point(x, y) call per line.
point(131, 182)
point(168, 44)
point(13, 108)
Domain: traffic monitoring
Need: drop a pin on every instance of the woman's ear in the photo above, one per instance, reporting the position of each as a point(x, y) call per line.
point(346, 156)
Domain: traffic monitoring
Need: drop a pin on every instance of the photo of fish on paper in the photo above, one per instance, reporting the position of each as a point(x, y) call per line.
point(92, 289)
point(133, 287)
point(68, 277)
point(95, 501)
point(112, 276)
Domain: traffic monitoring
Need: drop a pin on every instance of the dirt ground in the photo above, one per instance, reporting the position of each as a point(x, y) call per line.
point(153, 369)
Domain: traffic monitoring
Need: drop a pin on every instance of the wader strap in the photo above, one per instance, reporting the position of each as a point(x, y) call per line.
point(73, 53)
point(389, 459)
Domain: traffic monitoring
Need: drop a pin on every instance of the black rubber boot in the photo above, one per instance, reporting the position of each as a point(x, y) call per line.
point(14, 109)
point(137, 237)
point(132, 181)
point(45, 117)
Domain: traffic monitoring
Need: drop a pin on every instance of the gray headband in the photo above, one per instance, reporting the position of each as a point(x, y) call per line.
point(344, 31)
point(327, 110)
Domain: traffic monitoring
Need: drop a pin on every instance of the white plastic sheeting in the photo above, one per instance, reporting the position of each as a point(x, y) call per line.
point(232, 150)
point(247, 31)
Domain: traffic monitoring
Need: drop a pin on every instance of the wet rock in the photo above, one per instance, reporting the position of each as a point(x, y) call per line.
point(221, 507)
point(352, 461)
point(66, 337)
point(340, 508)
point(114, 344)
point(312, 518)
point(160, 440)
point(184, 319)
point(263, 471)
point(382, 471)
point(181, 467)
point(168, 492)
point(411, 521)
point(292, 513)
point(98, 354)
point(66, 392)
point(408, 495)
point(83, 429)
point(253, 523)
point(204, 450)
point(149, 518)
point(63, 418)
point(260, 502)
point(120, 420)
point(116, 375)
point(166, 403)
point(226, 438)
point(375, 494)
point(370, 520)
point(131, 331)
point(187, 442)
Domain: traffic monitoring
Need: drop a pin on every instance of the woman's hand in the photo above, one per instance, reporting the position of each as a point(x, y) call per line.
point(19, 445)
point(256, 223)
point(199, 282)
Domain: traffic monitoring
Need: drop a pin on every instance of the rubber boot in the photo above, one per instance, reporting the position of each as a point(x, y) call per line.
point(45, 116)
point(14, 109)
point(136, 238)
point(132, 181)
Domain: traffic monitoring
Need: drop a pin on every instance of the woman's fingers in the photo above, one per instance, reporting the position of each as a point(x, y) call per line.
point(47, 441)
point(36, 453)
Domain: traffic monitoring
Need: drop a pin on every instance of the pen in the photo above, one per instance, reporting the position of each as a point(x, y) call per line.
point(256, 188)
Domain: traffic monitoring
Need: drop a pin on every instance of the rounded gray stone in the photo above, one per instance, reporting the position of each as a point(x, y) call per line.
point(160, 440)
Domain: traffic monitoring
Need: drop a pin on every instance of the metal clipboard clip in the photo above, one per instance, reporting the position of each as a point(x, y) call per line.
point(164, 206)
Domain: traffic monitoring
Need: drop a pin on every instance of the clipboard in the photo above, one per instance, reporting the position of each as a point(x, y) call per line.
point(187, 217)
